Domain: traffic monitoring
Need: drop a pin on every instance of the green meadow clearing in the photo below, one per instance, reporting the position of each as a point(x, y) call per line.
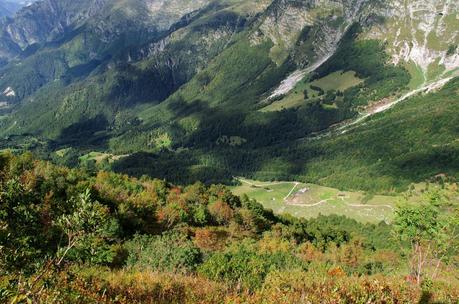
point(338, 81)
point(98, 157)
point(309, 200)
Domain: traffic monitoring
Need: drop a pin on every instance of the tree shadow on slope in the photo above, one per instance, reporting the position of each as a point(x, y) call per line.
point(421, 165)
point(178, 167)
point(228, 143)
point(85, 134)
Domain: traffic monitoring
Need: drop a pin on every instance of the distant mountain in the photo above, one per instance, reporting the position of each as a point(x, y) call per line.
point(220, 88)
point(9, 7)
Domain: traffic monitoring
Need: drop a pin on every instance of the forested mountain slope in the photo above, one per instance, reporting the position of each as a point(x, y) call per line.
point(221, 88)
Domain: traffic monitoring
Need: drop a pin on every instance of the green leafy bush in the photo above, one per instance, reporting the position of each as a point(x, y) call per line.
point(170, 252)
point(246, 267)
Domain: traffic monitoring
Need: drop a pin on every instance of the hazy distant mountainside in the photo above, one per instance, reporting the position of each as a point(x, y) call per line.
point(9, 8)
point(221, 88)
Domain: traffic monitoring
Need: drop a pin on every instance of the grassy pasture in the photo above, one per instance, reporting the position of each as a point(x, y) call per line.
point(98, 157)
point(338, 81)
point(309, 200)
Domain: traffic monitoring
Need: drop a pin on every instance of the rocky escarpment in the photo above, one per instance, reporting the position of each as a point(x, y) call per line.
point(149, 16)
point(315, 32)
point(62, 39)
point(424, 33)
point(49, 20)
point(46, 20)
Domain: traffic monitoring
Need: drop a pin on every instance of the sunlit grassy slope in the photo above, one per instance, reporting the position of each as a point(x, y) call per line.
point(337, 81)
point(309, 200)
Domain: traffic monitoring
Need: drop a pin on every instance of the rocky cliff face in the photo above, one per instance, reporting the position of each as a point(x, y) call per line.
point(61, 39)
point(424, 33)
point(320, 24)
point(46, 20)
point(309, 32)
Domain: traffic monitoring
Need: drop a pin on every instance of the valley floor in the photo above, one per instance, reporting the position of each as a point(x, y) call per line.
point(310, 200)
